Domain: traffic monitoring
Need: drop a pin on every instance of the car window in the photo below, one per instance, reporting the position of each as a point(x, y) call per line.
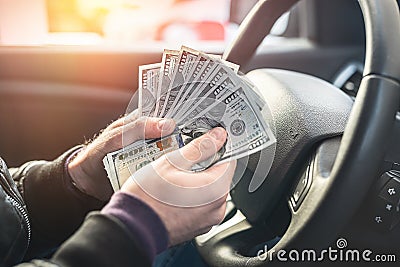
point(123, 22)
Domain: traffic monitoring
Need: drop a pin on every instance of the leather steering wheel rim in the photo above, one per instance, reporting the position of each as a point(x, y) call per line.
point(364, 139)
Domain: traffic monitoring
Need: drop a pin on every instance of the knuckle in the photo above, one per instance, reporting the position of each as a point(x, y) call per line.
point(136, 127)
point(195, 145)
point(194, 148)
point(152, 126)
point(195, 142)
point(115, 138)
point(118, 123)
point(164, 164)
point(137, 124)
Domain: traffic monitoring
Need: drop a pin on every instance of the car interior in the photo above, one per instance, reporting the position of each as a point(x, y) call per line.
point(331, 80)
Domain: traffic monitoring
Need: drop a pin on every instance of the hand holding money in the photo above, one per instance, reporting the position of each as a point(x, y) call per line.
point(86, 168)
point(200, 92)
point(209, 187)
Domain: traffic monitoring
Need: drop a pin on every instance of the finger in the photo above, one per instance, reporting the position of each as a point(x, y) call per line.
point(127, 118)
point(132, 116)
point(199, 149)
point(145, 128)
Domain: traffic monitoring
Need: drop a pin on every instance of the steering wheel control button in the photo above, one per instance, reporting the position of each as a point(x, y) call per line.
point(385, 207)
point(391, 191)
point(381, 223)
point(378, 219)
point(301, 189)
point(383, 214)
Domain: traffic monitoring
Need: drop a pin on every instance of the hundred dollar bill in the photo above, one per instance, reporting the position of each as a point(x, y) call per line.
point(195, 83)
point(111, 172)
point(186, 61)
point(148, 85)
point(253, 92)
point(125, 162)
point(203, 87)
point(223, 76)
point(168, 64)
point(209, 96)
point(204, 67)
point(247, 130)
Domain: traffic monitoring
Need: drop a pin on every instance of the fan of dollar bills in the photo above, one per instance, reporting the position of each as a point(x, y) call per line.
point(199, 91)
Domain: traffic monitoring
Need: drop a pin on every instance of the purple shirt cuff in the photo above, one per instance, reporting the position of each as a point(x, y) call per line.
point(141, 220)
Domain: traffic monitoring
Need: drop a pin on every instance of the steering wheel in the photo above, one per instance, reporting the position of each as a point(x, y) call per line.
point(329, 149)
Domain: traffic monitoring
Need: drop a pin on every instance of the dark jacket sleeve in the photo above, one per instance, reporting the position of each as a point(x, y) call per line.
point(103, 240)
point(55, 206)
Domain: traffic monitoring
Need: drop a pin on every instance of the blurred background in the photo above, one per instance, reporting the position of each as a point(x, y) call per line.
point(94, 22)
point(70, 67)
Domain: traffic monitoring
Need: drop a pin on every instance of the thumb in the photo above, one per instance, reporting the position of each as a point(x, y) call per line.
point(199, 149)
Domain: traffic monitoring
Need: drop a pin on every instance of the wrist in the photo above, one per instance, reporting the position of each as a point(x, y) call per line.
point(91, 180)
point(78, 176)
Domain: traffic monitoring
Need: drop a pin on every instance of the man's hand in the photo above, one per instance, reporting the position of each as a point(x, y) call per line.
point(87, 170)
point(189, 203)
